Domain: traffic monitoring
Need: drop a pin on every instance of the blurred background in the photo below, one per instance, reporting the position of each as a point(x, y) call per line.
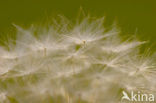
point(132, 16)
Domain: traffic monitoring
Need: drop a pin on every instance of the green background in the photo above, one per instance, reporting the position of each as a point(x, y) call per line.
point(130, 15)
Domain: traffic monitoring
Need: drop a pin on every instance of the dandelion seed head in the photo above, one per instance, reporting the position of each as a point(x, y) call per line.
point(64, 64)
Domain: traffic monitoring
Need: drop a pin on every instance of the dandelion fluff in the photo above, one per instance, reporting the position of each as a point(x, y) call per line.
point(73, 63)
